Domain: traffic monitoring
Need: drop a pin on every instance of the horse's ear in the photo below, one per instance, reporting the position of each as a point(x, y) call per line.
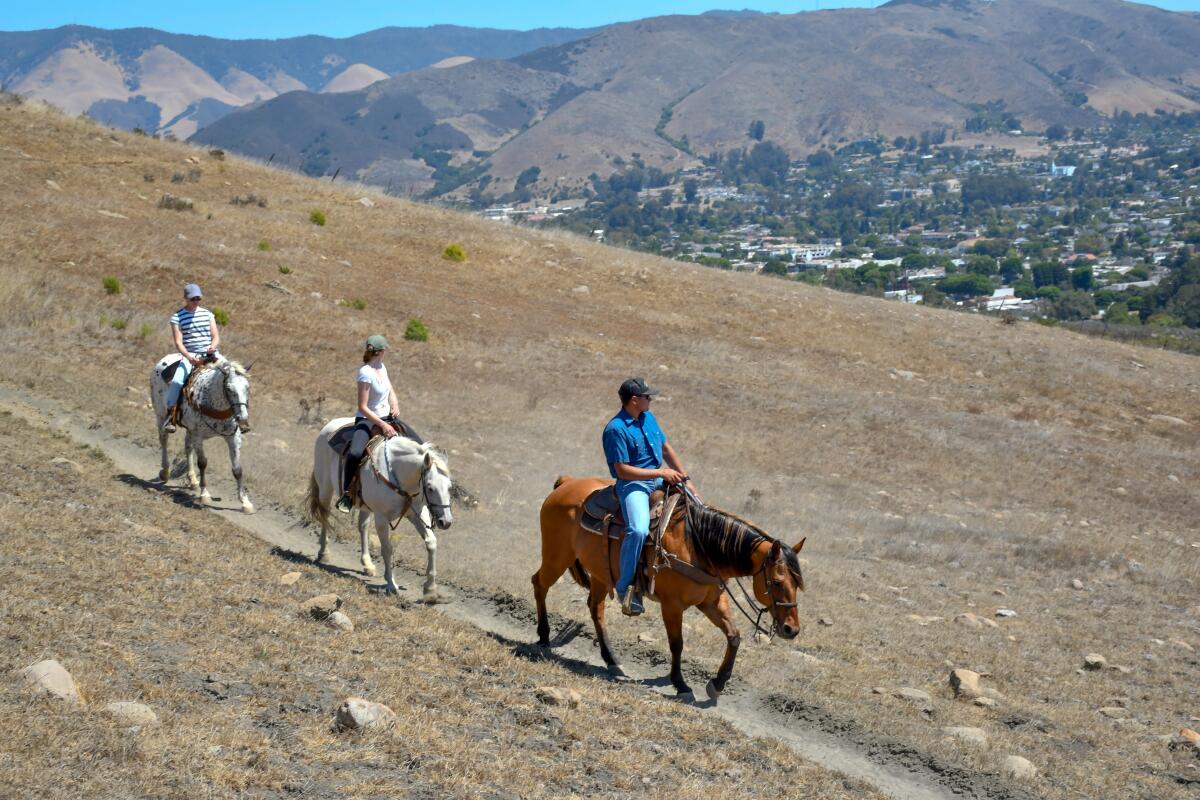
point(776, 549)
point(800, 545)
point(428, 459)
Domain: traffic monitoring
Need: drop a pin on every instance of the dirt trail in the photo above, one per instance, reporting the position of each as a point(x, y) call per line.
point(890, 767)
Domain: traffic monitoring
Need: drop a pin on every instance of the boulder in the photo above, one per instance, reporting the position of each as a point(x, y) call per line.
point(366, 202)
point(357, 714)
point(1182, 645)
point(826, 622)
point(289, 578)
point(131, 713)
point(1094, 661)
point(339, 621)
point(913, 695)
point(1018, 768)
point(52, 678)
point(965, 683)
point(969, 620)
point(1114, 712)
point(321, 606)
point(1076, 584)
point(1005, 613)
point(554, 696)
point(863, 597)
point(971, 736)
point(985, 702)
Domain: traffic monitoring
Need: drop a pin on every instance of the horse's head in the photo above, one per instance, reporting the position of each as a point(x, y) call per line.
point(236, 385)
point(777, 583)
point(435, 488)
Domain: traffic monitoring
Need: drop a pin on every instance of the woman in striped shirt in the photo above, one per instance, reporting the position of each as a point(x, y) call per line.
point(196, 338)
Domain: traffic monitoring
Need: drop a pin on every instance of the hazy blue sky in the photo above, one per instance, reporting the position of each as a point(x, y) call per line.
point(245, 19)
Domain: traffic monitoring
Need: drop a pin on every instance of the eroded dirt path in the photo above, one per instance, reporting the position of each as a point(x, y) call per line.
point(837, 744)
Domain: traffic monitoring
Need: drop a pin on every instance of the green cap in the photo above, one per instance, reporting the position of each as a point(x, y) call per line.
point(376, 343)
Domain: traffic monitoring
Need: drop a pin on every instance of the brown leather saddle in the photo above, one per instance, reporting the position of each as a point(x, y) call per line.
point(602, 512)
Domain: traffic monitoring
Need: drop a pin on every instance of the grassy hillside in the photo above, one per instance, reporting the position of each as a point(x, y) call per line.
point(939, 463)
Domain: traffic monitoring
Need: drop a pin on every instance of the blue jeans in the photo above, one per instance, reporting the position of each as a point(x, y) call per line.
point(176, 385)
point(635, 505)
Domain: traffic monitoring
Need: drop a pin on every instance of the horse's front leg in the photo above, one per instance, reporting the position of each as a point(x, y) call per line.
point(201, 468)
point(364, 543)
point(717, 610)
point(383, 530)
point(235, 461)
point(596, 596)
point(431, 592)
point(672, 614)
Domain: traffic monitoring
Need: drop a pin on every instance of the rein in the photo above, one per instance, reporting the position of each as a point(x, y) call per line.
point(409, 498)
point(210, 412)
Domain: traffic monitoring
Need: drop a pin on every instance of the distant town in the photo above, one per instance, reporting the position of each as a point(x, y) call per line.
point(1079, 225)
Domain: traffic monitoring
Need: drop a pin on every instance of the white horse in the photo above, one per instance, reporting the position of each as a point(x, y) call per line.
point(400, 479)
point(216, 402)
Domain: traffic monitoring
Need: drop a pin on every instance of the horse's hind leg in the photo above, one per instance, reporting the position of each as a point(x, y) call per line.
point(596, 599)
point(383, 530)
point(717, 610)
point(364, 544)
point(548, 573)
point(164, 472)
point(235, 461)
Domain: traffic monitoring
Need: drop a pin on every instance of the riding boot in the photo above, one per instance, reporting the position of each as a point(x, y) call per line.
point(631, 603)
point(345, 503)
point(169, 423)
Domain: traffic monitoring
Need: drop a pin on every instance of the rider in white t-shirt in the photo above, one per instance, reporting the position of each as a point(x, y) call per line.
point(377, 408)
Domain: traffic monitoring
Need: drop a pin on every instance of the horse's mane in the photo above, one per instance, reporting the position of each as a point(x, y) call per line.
point(425, 449)
point(726, 540)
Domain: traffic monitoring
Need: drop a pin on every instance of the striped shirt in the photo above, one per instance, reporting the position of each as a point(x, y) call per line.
point(196, 327)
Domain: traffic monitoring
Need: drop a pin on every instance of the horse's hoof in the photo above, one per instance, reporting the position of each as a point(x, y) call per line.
point(369, 570)
point(616, 671)
point(434, 597)
point(204, 499)
point(164, 475)
point(321, 557)
point(687, 696)
point(248, 508)
point(712, 691)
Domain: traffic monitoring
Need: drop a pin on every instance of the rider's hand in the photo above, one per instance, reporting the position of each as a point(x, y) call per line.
point(671, 476)
point(195, 362)
point(388, 430)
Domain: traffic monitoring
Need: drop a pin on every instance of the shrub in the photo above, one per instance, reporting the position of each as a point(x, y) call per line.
point(144, 330)
point(117, 324)
point(111, 284)
point(317, 217)
point(264, 245)
point(221, 316)
point(415, 331)
point(284, 269)
point(454, 252)
point(357, 303)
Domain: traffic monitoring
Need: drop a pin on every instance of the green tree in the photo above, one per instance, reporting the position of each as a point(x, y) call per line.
point(966, 284)
point(1056, 132)
point(1083, 278)
point(528, 177)
point(757, 129)
point(1072, 305)
point(691, 188)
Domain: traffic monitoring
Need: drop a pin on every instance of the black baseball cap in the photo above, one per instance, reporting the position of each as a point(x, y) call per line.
point(633, 387)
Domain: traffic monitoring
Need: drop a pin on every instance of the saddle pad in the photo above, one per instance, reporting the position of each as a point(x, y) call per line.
point(603, 502)
point(341, 438)
point(169, 370)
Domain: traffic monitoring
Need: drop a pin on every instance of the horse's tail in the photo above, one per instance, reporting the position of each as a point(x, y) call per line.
point(316, 511)
point(561, 480)
point(580, 575)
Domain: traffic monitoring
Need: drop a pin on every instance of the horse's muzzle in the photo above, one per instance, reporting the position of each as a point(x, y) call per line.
point(244, 425)
point(786, 630)
point(444, 523)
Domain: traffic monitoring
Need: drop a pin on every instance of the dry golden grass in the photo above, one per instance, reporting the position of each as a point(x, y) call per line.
point(942, 454)
point(142, 599)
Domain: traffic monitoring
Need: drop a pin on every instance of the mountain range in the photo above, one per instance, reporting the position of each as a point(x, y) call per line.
point(665, 90)
point(174, 83)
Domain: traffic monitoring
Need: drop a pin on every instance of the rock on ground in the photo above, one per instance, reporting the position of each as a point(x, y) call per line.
point(339, 621)
point(985, 702)
point(132, 713)
point(1094, 661)
point(913, 695)
point(1018, 768)
point(288, 578)
point(321, 606)
point(973, 736)
point(969, 620)
point(965, 683)
point(51, 677)
point(554, 696)
point(357, 714)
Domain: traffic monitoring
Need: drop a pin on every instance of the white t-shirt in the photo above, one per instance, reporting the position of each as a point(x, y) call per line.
point(381, 387)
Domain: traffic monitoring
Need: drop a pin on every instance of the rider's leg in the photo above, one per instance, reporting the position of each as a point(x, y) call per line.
point(354, 456)
point(174, 389)
point(635, 505)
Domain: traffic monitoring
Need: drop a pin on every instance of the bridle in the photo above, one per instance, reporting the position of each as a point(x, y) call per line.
point(771, 584)
point(409, 497)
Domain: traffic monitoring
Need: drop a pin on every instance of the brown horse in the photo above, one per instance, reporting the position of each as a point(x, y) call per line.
point(722, 546)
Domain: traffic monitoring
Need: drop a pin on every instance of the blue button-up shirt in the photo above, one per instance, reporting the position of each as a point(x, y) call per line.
point(636, 442)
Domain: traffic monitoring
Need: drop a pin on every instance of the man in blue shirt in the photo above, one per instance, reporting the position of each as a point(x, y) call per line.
point(636, 449)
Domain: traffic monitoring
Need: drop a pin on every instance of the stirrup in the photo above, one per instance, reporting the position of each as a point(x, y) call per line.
point(631, 604)
point(169, 423)
point(344, 503)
